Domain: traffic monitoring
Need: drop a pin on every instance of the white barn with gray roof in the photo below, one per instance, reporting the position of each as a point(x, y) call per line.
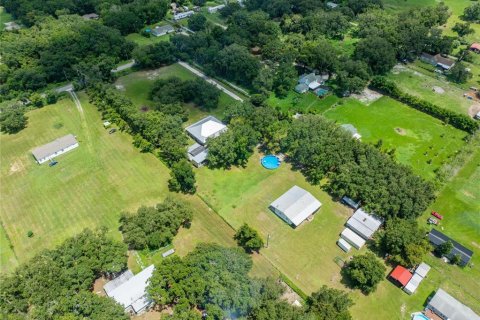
point(364, 224)
point(295, 205)
point(55, 148)
point(447, 307)
point(131, 291)
point(208, 127)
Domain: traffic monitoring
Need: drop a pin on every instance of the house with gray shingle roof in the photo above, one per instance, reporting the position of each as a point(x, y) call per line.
point(55, 148)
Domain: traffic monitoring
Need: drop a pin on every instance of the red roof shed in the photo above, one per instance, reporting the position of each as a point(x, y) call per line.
point(401, 274)
point(475, 46)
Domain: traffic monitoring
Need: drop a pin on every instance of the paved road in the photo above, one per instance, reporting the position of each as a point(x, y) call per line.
point(124, 66)
point(209, 80)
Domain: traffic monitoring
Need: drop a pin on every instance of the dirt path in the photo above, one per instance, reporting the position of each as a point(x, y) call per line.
point(209, 80)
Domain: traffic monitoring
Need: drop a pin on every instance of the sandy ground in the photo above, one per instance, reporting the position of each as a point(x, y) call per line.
point(400, 131)
point(98, 286)
point(438, 90)
point(368, 96)
point(474, 109)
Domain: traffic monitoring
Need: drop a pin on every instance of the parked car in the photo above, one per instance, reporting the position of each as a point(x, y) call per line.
point(112, 131)
point(432, 221)
point(437, 215)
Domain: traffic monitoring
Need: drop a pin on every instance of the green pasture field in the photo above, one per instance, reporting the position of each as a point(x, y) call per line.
point(417, 137)
point(420, 83)
point(144, 41)
point(306, 254)
point(302, 103)
point(88, 188)
point(138, 85)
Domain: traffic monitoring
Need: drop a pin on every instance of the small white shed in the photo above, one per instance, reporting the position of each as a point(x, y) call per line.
point(344, 245)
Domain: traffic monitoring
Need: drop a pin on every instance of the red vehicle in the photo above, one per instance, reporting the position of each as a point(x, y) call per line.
point(437, 215)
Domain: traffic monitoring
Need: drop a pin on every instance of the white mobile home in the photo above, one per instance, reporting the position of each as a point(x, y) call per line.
point(55, 148)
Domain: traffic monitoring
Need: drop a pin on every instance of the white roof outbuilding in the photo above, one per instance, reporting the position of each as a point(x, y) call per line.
point(132, 294)
point(450, 308)
point(352, 238)
point(413, 284)
point(422, 269)
point(344, 245)
point(208, 127)
point(364, 224)
point(295, 205)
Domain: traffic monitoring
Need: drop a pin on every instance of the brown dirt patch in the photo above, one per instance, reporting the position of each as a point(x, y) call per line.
point(401, 131)
point(368, 96)
point(289, 295)
point(474, 109)
point(98, 286)
point(17, 166)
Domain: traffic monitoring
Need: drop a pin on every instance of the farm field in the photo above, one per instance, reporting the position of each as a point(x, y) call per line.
point(137, 86)
point(88, 188)
point(422, 85)
point(417, 137)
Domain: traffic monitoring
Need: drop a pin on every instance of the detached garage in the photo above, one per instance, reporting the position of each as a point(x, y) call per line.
point(295, 206)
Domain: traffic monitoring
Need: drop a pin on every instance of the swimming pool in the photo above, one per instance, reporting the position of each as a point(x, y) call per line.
point(270, 162)
point(420, 317)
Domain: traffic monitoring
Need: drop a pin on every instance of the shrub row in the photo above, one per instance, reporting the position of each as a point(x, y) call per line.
point(459, 121)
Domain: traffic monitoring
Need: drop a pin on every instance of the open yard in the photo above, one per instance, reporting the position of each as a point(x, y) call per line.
point(302, 103)
point(420, 141)
point(306, 254)
point(89, 187)
point(431, 87)
point(4, 17)
point(137, 86)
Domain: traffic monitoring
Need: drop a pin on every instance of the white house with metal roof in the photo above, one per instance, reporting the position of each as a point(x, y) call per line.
point(55, 148)
point(364, 224)
point(208, 127)
point(131, 291)
point(295, 205)
point(448, 308)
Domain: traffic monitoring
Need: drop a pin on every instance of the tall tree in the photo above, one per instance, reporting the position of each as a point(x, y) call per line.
point(364, 272)
point(248, 238)
point(182, 178)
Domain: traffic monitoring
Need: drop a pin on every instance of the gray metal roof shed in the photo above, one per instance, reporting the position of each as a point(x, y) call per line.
point(450, 308)
point(295, 205)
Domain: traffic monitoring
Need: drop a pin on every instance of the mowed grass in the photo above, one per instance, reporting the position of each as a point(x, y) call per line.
point(89, 187)
point(137, 86)
point(421, 84)
point(416, 137)
point(306, 254)
point(4, 17)
point(144, 41)
point(302, 103)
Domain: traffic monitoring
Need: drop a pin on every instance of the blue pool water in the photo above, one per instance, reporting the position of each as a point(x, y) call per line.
point(270, 162)
point(420, 317)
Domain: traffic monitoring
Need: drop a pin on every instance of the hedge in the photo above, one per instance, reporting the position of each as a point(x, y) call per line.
point(459, 121)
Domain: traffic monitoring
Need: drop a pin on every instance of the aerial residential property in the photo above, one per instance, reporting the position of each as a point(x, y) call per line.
point(55, 148)
point(260, 159)
point(131, 290)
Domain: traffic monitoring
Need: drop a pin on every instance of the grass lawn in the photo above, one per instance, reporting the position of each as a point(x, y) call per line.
point(4, 17)
point(420, 84)
point(306, 254)
point(89, 187)
point(417, 137)
point(138, 85)
point(303, 103)
point(143, 41)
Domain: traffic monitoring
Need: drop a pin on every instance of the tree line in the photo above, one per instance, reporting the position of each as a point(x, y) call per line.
point(458, 120)
point(57, 284)
point(155, 227)
point(215, 280)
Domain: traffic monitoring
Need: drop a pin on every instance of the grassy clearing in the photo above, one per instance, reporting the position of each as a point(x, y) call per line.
point(303, 103)
point(417, 137)
point(4, 17)
point(138, 85)
point(306, 254)
point(89, 187)
point(144, 41)
point(421, 84)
